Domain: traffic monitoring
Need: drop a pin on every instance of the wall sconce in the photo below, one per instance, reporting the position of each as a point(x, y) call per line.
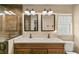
point(12, 13)
point(50, 12)
point(44, 12)
point(33, 12)
point(47, 12)
point(6, 12)
point(9, 12)
point(29, 12)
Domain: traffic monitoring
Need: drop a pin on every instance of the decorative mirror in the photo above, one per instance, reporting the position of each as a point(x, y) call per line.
point(31, 22)
point(48, 22)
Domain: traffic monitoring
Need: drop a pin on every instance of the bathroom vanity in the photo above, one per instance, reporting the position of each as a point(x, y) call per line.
point(39, 48)
point(24, 45)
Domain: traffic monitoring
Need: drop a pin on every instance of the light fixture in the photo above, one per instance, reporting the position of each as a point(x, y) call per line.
point(44, 12)
point(33, 12)
point(50, 12)
point(6, 12)
point(27, 12)
point(47, 12)
point(12, 13)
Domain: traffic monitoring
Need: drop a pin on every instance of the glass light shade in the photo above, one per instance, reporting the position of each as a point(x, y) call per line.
point(33, 13)
point(27, 13)
point(50, 12)
point(6, 12)
point(44, 13)
point(12, 13)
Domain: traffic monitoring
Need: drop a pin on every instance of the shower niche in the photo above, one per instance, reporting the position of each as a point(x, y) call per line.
point(31, 22)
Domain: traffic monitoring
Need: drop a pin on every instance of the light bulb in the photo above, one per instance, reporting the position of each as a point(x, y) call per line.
point(27, 13)
point(33, 12)
point(44, 12)
point(12, 13)
point(6, 12)
point(50, 12)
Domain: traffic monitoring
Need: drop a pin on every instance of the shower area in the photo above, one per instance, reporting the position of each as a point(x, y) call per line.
point(9, 25)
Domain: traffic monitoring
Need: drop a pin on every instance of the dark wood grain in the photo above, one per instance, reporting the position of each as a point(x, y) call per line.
point(39, 48)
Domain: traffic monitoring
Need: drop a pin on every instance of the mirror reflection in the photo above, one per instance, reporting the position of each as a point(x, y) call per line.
point(48, 22)
point(30, 22)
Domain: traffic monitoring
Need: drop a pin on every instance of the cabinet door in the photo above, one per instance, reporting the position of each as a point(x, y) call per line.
point(56, 51)
point(22, 51)
point(38, 48)
point(39, 51)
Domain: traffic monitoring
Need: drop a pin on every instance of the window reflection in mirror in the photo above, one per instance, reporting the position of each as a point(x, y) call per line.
point(48, 22)
point(31, 22)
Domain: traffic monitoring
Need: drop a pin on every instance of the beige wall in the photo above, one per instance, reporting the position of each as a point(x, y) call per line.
point(1, 23)
point(76, 27)
point(57, 9)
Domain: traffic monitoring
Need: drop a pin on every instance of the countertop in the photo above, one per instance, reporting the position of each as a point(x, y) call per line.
point(24, 39)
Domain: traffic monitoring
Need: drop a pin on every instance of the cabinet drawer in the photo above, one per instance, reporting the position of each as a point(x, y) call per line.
point(39, 51)
point(38, 45)
point(56, 51)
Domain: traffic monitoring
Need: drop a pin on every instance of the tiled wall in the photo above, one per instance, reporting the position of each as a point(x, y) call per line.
point(18, 10)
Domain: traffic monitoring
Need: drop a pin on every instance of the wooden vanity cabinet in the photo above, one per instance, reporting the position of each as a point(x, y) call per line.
point(36, 48)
